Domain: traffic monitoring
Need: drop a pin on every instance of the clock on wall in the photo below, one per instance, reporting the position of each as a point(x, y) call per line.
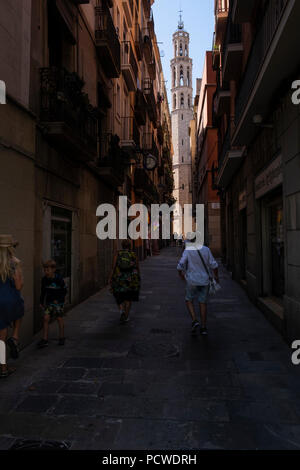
point(150, 162)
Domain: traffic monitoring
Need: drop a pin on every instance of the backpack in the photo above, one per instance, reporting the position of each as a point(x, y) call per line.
point(125, 261)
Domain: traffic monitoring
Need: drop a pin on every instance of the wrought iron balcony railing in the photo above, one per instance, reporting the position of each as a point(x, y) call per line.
point(138, 41)
point(262, 42)
point(150, 97)
point(130, 132)
point(225, 147)
point(112, 161)
point(107, 42)
point(129, 65)
point(147, 7)
point(65, 108)
point(233, 36)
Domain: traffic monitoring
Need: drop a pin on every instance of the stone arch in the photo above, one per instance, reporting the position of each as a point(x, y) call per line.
point(181, 77)
point(182, 100)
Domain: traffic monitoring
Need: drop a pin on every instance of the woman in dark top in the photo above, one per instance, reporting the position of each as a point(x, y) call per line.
point(11, 301)
point(125, 279)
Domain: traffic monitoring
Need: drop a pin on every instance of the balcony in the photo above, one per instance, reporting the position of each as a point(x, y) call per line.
point(150, 98)
point(130, 135)
point(107, 43)
point(152, 68)
point(147, 7)
point(233, 51)
point(215, 54)
point(128, 10)
point(69, 122)
point(242, 11)
point(144, 186)
point(230, 160)
point(221, 15)
point(221, 103)
point(112, 162)
point(147, 45)
point(160, 134)
point(129, 66)
point(140, 108)
point(271, 63)
point(138, 42)
point(149, 144)
point(151, 25)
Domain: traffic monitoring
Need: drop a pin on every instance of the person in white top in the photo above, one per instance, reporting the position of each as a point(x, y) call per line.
point(191, 268)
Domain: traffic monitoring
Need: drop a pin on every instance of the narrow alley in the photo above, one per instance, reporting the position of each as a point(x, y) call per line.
point(149, 384)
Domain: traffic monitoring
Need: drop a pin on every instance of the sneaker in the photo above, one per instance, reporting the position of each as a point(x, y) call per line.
point(13, 346)
point(42, 344)
point(123, 318)
point(195, 325)
point(61, 341)
point(203, 331)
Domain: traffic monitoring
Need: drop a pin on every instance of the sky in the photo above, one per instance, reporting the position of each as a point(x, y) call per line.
point(198, 17)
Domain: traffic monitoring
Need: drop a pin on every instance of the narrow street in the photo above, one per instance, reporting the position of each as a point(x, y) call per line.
point(149, 384)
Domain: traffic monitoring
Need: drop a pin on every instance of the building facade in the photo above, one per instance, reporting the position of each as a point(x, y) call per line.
point(259, 158)
point(182, 113)
point(85, 113)
point(204, 134)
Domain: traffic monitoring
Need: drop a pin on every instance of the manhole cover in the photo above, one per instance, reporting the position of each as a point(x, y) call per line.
point(154, 349)
point(25, 444)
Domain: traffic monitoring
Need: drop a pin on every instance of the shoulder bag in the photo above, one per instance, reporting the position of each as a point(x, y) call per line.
point(214, 287)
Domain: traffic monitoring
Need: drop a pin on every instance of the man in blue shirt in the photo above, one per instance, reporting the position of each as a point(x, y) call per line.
point(194, 267)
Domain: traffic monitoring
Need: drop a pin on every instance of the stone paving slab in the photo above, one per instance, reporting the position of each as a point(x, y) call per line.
point(149, 384)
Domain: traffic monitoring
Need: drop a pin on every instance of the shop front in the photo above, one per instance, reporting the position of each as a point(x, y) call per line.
point(268, 193)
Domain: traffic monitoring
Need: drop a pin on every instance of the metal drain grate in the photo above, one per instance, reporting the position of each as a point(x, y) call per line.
point(26, 444)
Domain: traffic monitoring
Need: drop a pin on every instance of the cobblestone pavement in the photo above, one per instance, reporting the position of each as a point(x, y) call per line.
point(149, 384)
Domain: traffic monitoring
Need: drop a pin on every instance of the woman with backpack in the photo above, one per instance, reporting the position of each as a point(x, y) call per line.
point(11, 301)
point(125, 279)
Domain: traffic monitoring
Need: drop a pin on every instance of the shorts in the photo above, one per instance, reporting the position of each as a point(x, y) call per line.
point(54, 311)
point(200, 293)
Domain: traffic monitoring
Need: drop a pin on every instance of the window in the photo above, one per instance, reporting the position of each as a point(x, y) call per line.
point(118, 21)
point(174, 76)
point(181, 76)
point(188, 76)
point(182, 141)
point(182, 117)
point(118, 101)
point(181, 50)
point(183, 162)
point(189, 101)
point(186, 51)
point(174, 102)
point(182, 100)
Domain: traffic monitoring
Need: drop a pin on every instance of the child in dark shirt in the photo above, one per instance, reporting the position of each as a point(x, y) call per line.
point(53, 293)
